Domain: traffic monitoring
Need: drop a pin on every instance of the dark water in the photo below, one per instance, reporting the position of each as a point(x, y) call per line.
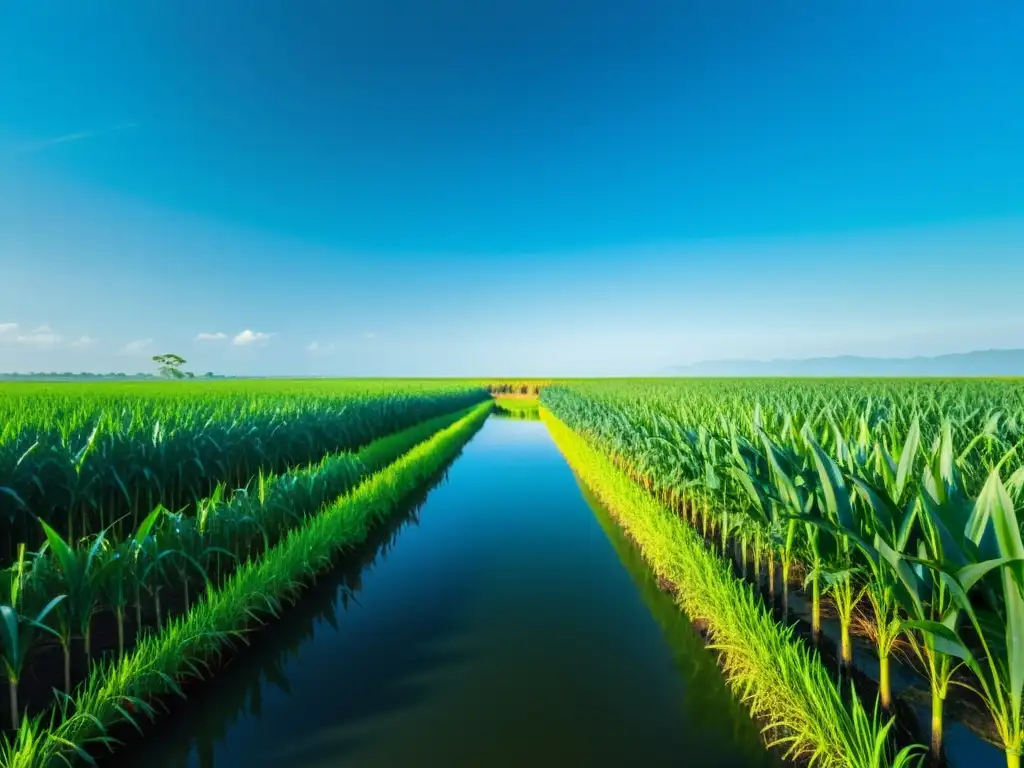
point(508, 623)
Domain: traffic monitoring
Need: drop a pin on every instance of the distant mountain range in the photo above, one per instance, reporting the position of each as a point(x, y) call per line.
point(990, 362)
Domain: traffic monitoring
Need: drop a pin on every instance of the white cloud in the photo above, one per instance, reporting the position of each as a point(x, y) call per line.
point(84, 341)
point(7, 333)
point(316, 348)
point(217, 336)
point(137, 346)
point(251, 337)
point(43, 336)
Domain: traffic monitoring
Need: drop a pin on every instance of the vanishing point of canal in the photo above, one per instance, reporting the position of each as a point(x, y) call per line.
point(504, 622)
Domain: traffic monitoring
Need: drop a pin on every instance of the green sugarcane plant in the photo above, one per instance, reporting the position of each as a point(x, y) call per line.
point(904, 516)
point(18, 630)
point(87, 456)
point(883, 538)
point(189, 550)
point(78, 486)
point(75, 573)
point(842, 564)
point(886, 519)
point(748, 471)
point(788, 488)
point(997, 617)
point(947, 527)
point(869, 520)
point(123, 568)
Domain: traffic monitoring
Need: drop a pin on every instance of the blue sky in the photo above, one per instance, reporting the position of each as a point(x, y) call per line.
point(458, 188)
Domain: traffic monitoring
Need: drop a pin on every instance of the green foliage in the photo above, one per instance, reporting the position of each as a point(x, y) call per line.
point(780, 680)
point(257, 589)
point(170, 551)
point(84, 457)
point(170, 366)
point(904, 493)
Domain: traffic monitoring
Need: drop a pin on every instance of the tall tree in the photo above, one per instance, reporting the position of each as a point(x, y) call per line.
point(170, 366)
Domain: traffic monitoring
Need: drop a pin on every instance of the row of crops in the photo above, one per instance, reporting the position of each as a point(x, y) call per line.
point(892, 506)
point(87, 458)
point(173, 499)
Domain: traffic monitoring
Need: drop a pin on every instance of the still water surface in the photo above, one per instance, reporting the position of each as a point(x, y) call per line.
point(505, 622)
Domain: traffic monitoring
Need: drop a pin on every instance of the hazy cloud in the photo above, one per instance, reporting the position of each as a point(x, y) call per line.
point(370, 335)
point(137, 346)
point(218, 336)
point(8, 327)
point(251, 337)
point(316, 348)
point(84, 341)
point(76, 136)
point(43, 336)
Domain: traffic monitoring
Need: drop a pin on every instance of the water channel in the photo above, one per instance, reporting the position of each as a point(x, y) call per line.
point(505, 621)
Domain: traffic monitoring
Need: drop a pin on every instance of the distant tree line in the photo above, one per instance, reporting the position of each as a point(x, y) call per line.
point(85, 375)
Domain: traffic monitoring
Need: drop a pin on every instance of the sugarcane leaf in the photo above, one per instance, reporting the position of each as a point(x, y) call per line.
point(944, 638)
point(947, 467)
point(9, 639)
point(941, 517)
point(80, 457)
point(883, 510)
point(120, 484)
point(25, 455)
point(39, 622)
point(999, 508)
point(907, 456)
point(970, 575)
point(906, 526)
point(837, 496)
point(885, 464)
point(147, 524)
point(61, 550)
point(1014, 603)
point(754, 495)
point(910, 596)
point(97, 545)
point(1015, 483)
point(14, 495)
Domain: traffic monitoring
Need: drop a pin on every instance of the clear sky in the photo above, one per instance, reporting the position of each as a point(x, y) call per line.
point(397, 187)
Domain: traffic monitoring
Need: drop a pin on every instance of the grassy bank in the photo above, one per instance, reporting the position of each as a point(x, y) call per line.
point(519, 406)
point(119, 691)
point(783, 683)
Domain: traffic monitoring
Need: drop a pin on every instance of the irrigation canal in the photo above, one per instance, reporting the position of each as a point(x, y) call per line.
point(503, 622)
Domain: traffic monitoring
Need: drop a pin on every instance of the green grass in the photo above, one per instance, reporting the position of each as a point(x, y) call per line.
point(256, 590)
point(524, 401)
